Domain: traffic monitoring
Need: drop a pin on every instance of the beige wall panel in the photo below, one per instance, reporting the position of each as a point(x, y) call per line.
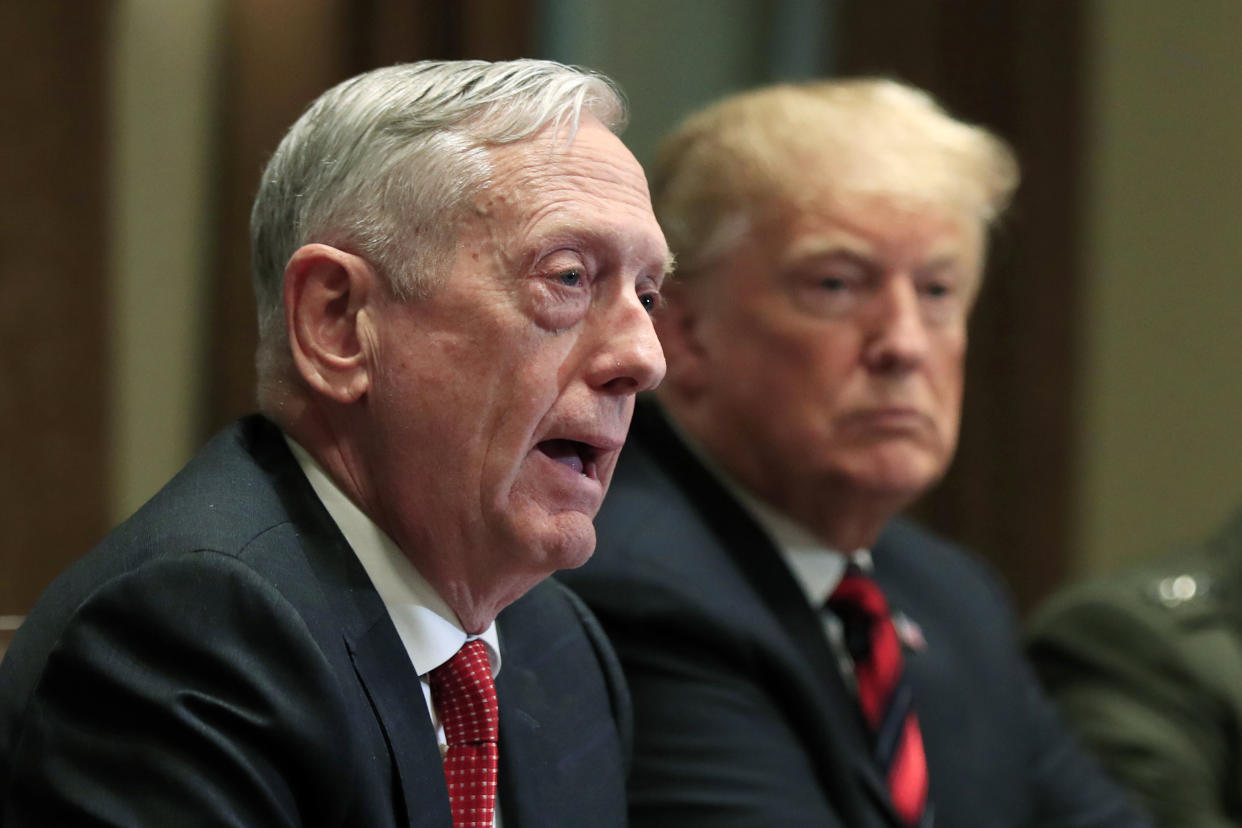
point(165, 70)
point(1162, 445)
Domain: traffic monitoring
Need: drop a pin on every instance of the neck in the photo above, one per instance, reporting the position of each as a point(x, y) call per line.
point(477, 607)
point(474, 597)
point(322, 435)
point(839, 517)
point(831, 506)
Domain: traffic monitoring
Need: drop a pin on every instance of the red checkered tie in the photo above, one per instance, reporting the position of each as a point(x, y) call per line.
point(465, 697)
point(884, 692)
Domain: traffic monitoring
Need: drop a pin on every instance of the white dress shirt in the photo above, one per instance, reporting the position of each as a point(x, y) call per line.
point(428, 628)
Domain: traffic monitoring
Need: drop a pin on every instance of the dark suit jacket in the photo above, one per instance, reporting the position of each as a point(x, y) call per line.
point(222, 659)
point(741, 714)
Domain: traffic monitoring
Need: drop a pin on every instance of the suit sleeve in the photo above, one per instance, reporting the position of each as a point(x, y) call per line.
point(1121, 679)
point(185, 693)
point(712, 747)
point(1071, 789)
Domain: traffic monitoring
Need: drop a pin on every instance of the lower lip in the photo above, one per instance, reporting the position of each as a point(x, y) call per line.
point(889, 419)
point(576, 489)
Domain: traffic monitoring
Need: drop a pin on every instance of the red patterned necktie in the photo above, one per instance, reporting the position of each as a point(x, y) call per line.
point(884, 692)
point(465, 697)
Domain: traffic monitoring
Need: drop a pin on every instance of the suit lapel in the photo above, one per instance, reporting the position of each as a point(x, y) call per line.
point(397, 698)
point(525, 767)
point(379, 658)
point(833, 728)
point(555, 748)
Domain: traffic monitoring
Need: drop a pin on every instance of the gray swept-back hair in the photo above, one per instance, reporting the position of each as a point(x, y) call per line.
point(382, 164)
point(743, 159)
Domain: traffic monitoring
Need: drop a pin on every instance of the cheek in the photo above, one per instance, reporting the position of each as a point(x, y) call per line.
point(818, 364)
point(947, 374)
point(947, 360)
point(522, 368)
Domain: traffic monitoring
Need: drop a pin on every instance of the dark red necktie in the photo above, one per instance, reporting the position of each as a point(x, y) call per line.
point(465, 697)
point(884, 692)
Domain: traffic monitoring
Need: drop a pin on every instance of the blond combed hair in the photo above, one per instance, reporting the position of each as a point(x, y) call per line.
point(727, 168)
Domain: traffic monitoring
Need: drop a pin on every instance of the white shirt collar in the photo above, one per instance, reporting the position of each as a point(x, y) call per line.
point(427, 626)
point(816, 567)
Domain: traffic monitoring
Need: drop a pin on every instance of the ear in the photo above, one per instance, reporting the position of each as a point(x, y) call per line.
point(677, 324)
point(326, 296)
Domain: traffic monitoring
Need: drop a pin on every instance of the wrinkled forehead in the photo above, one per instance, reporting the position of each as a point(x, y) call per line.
point(585, 155)
point(580, 181)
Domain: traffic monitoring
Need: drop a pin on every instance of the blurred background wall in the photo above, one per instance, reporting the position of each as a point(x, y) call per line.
point(1102, 407)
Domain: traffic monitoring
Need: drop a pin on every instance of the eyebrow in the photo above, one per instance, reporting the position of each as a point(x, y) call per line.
point(832, 244)
point(858, 251)
point(861, 258)
point(942, 262)
point(670, 265)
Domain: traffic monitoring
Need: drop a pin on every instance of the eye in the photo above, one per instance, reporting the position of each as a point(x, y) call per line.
point(937, 290)
point(570, 278)
point(650, 301)
point(830, 287)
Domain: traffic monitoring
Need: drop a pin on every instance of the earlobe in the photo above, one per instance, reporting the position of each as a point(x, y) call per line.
point(326, 295)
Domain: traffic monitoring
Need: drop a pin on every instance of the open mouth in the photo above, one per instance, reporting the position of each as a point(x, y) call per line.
point(577, 455)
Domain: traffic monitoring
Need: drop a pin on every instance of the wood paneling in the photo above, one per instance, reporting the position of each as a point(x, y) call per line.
point(1017, 68)
point(283, 53)
point(8, 626)
point(53, 263)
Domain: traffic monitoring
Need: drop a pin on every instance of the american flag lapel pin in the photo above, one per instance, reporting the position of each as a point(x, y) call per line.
point(909, 633)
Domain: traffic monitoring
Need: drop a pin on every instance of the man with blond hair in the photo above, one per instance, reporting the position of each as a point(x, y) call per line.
point(797, 654)
point(337, 614)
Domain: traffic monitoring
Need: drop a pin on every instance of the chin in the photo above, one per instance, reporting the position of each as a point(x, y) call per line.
point(566, 544)
point(900, 474)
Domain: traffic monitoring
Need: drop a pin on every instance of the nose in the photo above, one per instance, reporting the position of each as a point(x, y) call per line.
point(897, 338)
point(629, 358)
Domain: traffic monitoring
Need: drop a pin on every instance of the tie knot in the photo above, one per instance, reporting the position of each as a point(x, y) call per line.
point(858, 602)
point(463, 692)
point(870, 638)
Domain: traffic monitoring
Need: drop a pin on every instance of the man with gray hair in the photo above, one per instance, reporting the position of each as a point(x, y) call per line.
point(337, 614)
point(797, 654)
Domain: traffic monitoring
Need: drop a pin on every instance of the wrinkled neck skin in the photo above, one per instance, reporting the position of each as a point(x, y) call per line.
point(327, 432)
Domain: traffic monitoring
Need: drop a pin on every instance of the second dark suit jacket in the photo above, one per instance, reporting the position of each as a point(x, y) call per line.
point(222, 659)
point(742, 717)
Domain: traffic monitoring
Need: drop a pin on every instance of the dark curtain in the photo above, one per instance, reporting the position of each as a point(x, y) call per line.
point(281, 55)
point(1017, 68)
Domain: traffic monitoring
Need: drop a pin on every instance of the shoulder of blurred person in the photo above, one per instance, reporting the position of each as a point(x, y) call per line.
point(1145, 665)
